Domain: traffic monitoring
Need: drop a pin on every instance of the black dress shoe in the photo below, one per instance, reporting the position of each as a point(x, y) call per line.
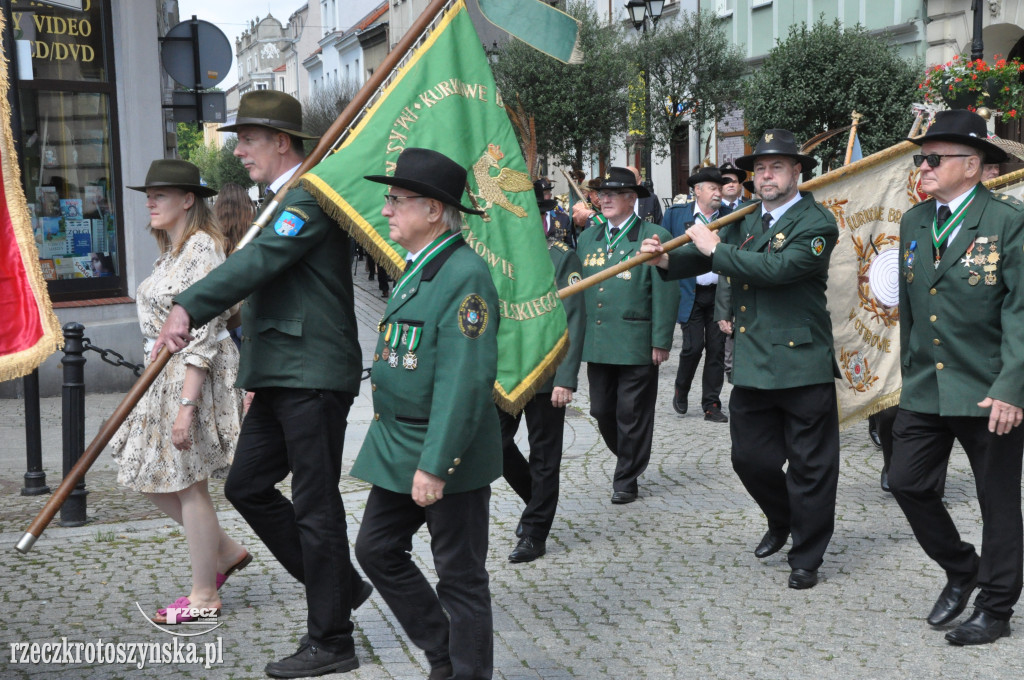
point(980, 629)
point(528, 549)
point(873, 433)
point(311, 661)
point(679, 405)
point(623, 497)
point(771, 543)
point(802, 579)
point(952, 602)
point(442, 672)
point(715, 415)
point(885, 481)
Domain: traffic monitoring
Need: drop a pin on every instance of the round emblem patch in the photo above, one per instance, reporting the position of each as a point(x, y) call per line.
point(574, 278)
point(817, 245)
point(473, 316)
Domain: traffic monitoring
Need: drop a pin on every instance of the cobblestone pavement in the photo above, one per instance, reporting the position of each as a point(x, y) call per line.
point(667, 587)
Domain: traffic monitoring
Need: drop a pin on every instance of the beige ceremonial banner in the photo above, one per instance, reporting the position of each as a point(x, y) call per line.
point(868, 199)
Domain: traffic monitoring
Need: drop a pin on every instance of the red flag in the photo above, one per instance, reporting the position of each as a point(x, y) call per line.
point(29, 330)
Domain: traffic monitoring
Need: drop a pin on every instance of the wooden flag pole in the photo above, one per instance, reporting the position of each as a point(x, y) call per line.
point(853, 137)
point(330, 138)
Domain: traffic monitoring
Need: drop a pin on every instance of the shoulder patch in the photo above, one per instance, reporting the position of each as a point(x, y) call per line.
point(289, 223)
point(558, 244)
point(473, 316)
point(574, 278)
point(296, 210)
point(818, 245)
point(1009, 200)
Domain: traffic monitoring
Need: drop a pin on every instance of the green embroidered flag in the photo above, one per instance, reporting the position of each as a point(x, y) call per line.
point(537, 24)
point(443, 97)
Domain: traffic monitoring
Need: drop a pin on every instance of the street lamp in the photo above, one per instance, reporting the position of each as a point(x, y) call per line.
point(639, 10)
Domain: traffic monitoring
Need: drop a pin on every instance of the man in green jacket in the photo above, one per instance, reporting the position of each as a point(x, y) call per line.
point(434, 445)
point(783, 403)
point(630, 321)
point(536, 481)
point(301, 359)
point(962, 351)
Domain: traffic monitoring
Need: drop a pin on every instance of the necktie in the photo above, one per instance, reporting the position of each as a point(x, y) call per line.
point(614, 231)
point(943, 217)
point(408, 264)
point(766, 222)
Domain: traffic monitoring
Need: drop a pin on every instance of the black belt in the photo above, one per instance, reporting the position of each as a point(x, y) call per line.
point(712, 285)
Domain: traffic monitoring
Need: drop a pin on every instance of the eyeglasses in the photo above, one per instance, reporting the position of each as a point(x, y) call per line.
point(934, 159)
point(610, 194)
point(392, 201)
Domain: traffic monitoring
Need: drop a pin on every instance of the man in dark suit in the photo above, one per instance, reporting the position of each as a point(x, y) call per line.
point(701, 334)
point(732, 190)
point(301, 358)
point(961, 330)
point(648, 207)
point(536, 480)
point(630, 323)
point(783, 403)
point(434, 445)
point(557, 224)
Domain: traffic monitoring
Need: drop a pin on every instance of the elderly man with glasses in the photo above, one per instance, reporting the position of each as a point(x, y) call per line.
point(961, 326)
point(630, 322)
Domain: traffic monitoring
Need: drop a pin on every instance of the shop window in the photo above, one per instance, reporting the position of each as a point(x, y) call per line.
point(69, 159)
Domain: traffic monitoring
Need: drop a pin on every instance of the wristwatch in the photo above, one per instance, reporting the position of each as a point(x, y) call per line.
point(189, 402)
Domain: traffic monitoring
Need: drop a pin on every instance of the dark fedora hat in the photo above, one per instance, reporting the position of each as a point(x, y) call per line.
point(430, 174)
point(706, 174)
point(748, 184)
point(728, 168)
point(962, 127)
point(777, 142)
point(622, 178)
point(272, 109)
point(539, 187)
point(170, 172)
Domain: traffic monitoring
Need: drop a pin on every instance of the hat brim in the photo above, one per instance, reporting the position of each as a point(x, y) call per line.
point(640, 191)
point(992, 153)
point(740, 175)
point(747, 162)
point(263, 122)
point(547, 204)
point(197, 189)
point(720, 182)
point(423, 189)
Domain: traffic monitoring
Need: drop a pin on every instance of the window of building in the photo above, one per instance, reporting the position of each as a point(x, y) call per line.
point(69, 153)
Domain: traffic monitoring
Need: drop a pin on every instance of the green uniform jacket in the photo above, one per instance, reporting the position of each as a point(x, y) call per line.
point(567, 271)
point(298, 321)
point(631, 313)
point(962, 324)
point(438, 417)
point(782, 330)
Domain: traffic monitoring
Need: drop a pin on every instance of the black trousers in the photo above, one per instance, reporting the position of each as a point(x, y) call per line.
point(799, 425)
point(301, 431)
point(922, 443)
point(700, 334)
point(535, 481)
point(458, 541)
point(622, 400)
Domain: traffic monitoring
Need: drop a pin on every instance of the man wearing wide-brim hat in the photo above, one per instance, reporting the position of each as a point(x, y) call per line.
point(556, 223)
point(783, 406)
point(301, 360)
point(732, 190)
point(630, 323)
point(962, 350)
point(701, 335)
point(434, 445)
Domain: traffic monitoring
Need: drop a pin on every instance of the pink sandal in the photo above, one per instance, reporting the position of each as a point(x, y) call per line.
point(237, 566)
point(181, 612)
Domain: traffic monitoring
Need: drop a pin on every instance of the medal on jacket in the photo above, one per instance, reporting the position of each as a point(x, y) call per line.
point(392, 338)
point(908, 260)
point(412, 341)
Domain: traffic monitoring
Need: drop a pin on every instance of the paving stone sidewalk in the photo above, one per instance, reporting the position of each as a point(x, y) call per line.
point(664, 588)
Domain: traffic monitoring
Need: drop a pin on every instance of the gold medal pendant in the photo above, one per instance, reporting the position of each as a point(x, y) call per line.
point(409, 361)
point(385, 353)
point(393, 360)
point(990, 279)
point(910, 277)
point(973, 279)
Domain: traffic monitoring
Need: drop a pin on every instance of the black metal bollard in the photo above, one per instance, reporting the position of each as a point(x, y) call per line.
point(72, 513)
point(35, 478)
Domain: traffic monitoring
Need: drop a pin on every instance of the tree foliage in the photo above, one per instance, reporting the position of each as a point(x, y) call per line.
point(325, 104)
point(695, 74)
point(219, 166)
point(189, 139)
point(814, 79)
point(577, 108)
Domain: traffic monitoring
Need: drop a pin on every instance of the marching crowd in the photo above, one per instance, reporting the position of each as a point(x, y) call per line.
point(750, 299)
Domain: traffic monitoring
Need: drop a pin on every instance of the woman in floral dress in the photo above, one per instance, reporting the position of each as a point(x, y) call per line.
point(183, 430)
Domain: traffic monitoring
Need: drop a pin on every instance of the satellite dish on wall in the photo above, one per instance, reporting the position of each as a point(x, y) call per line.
point(190, 39)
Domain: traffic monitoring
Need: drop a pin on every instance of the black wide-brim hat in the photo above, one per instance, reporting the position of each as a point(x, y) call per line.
point(622, 178)
point(171, 172)
point(429, 174)
point(541, 186)
point(272, 109)
point(708, 174)
point(730, 169)
point(962, 127)
point(777, 142)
